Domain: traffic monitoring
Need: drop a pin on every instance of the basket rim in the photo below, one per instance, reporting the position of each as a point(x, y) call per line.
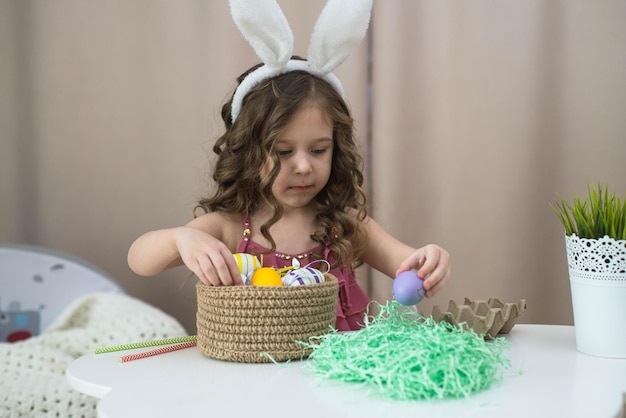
point(330, 281)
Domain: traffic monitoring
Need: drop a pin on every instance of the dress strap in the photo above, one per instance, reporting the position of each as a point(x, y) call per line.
point(243, 246)
point(246, 226)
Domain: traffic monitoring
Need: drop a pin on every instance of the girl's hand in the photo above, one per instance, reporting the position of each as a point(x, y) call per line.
point(207, 257)
point(433, 266)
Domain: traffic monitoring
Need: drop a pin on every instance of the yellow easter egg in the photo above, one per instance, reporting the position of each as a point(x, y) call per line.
point(266, 276)
point(247, 263)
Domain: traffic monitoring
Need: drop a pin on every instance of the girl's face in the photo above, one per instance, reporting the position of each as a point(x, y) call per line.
point(305, 150)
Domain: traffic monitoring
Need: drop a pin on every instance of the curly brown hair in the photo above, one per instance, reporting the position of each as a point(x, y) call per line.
point(248, 143)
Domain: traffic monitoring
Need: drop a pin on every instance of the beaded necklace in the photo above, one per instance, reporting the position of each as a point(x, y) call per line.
point(247, 232)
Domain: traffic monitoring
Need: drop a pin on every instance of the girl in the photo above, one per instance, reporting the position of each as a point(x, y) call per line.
point(289, 186)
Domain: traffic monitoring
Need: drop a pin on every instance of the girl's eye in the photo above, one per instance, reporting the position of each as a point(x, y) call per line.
point(283, 153)
point(319, 150)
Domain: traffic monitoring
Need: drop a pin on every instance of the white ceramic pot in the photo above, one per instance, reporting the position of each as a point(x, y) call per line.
point(597, 270)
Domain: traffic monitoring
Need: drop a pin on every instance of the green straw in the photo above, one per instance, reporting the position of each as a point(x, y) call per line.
point(143, 344)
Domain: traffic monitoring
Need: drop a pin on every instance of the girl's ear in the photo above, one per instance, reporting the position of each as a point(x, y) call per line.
point(265, 27)
point(339, 29)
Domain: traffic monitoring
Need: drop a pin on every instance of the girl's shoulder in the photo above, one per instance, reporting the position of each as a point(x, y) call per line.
point(227, 227)
point(218, 216)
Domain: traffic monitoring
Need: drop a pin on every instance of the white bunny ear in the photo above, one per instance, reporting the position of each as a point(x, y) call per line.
point(266, 29)
point(339, 29)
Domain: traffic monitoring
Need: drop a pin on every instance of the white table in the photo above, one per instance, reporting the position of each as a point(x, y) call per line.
point(549, 378)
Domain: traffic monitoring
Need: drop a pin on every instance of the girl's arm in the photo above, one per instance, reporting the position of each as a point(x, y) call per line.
point(154, 252)
point(391, 257)
point(199, 245)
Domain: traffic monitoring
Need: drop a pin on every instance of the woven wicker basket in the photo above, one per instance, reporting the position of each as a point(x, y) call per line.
point(238, 323)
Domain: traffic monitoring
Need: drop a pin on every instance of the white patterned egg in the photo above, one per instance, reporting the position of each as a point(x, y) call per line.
point(302, 276)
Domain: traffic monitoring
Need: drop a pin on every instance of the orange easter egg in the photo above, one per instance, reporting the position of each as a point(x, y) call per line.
point(266, 276)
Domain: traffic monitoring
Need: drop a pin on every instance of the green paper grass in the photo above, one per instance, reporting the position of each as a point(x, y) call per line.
point(406, 356)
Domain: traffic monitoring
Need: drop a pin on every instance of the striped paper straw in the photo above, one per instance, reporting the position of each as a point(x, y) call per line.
point(145, 344)
point(158, 351)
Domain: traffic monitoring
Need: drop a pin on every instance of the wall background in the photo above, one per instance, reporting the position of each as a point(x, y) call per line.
point(479, 113)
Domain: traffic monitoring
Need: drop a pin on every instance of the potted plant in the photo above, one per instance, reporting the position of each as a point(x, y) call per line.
point(595, 240)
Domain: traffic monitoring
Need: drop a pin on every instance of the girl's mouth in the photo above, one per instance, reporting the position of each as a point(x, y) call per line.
point(300, 188)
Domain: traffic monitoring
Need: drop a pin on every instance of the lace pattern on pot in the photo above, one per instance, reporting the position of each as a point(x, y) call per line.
point(601, 259)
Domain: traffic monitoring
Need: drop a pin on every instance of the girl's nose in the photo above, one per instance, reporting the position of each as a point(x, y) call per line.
point(302, 164)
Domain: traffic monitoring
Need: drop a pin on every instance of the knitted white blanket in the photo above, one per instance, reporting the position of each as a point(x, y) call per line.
point(32, 372)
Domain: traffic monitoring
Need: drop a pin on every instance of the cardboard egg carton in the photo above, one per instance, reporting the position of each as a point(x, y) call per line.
point(488, 318)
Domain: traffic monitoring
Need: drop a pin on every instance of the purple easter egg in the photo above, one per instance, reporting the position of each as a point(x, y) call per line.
point(407, 288)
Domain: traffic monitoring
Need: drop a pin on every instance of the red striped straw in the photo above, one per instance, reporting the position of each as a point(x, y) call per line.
point(162, 350)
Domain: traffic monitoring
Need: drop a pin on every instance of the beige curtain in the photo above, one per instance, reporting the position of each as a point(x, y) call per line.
point(482, 111)
point(471, 116)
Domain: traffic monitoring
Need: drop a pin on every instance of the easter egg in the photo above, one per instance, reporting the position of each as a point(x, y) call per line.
point(301, 276)
point(266, 276)
point(247, 265)
point(407, 288)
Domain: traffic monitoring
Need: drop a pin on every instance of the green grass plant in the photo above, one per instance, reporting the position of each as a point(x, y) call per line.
point(601, 213)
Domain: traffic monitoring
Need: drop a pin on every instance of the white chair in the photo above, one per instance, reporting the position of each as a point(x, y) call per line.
point(37, 284)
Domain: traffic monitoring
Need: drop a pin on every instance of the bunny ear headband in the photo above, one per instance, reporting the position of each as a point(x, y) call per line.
point(339, 29)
